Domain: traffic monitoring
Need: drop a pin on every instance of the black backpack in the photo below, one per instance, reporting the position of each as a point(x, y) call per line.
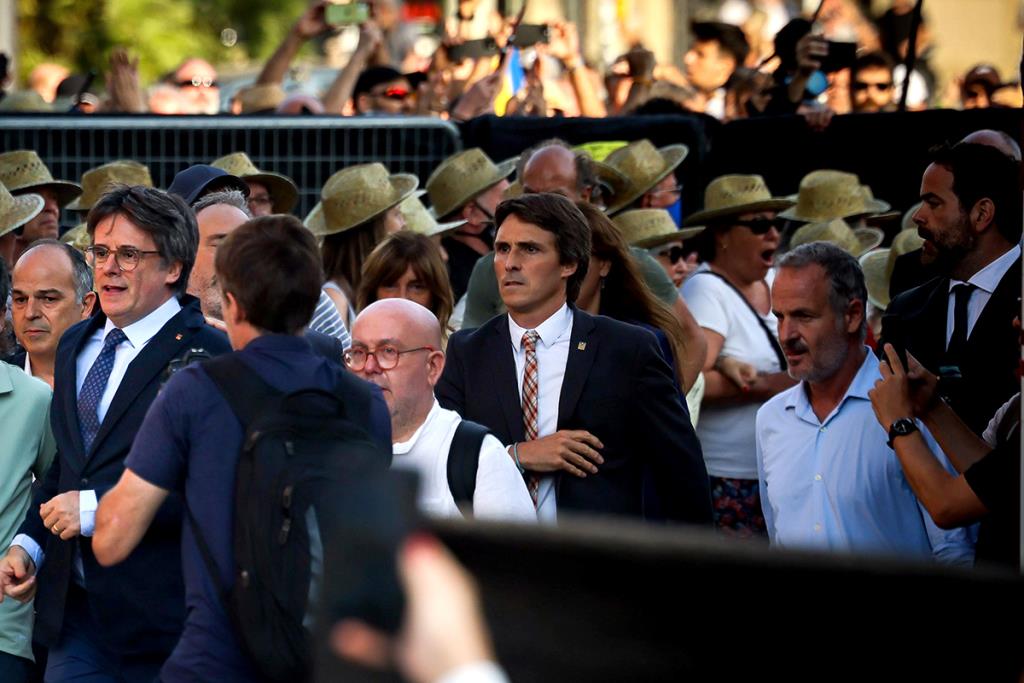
point(463, 461)
point(298, 448)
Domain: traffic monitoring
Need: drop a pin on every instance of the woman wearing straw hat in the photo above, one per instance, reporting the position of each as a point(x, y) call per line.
point(358, 208)
point(731, 300)
point(15, 212)
point(23, 172)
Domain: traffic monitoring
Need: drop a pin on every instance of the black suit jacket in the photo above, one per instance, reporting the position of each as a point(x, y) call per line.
point(617, 387)
point(916, 321)
point(139, 604)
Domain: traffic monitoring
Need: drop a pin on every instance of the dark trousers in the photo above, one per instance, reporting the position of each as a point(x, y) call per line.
point(15, 669)
point(80, 654)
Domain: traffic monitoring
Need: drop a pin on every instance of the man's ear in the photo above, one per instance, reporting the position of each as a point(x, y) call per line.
point(983, 213)
point(232, 310)
point(435, 366)
point(855, 313)
point(88, 303)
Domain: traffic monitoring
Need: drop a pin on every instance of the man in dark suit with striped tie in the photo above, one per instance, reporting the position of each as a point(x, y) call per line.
point(113, 623)
point(584, 403)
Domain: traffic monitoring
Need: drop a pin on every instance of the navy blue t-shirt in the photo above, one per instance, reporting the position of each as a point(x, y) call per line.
point(189, 442)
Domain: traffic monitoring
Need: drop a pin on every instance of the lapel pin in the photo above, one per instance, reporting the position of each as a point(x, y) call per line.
point(582, 346)
point(178, 336)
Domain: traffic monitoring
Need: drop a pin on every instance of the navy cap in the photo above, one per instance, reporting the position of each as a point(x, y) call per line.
point(196, 181)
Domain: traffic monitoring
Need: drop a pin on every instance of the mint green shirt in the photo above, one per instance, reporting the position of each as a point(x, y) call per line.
point(26, 449)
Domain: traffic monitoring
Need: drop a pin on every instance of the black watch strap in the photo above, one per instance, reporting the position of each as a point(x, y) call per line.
point(901, 427)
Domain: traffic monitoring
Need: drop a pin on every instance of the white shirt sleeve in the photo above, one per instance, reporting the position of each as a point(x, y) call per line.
point(87, 511)
point(500, 492)
point(31, 547)
point(703, 298)
point(478, 672)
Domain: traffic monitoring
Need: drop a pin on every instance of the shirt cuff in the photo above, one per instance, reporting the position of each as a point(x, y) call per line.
point(477, 672)
point(31, 547)
point(87, 511)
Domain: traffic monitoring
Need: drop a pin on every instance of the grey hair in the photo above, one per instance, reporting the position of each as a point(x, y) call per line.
point(586, 176)
point(233, 198)
point(80, 271)
point(164, 217)
point(845, 277)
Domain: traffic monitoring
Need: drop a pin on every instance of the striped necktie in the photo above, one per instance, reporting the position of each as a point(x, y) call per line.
point(530, 400)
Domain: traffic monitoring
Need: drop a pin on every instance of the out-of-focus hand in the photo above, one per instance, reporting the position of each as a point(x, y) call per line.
point(123, 89)
point(817, 117)
point(443, 628)
point(809, 52)
point(739, 373)
point(312, 22)
point(564, 43)
point(479, 99)
point(370, 37)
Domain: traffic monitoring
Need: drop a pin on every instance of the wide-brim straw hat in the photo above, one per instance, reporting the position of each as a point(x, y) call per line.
point(17, 211)
point(357, 194)
point(77, 237)
point(878, 266)
point(838, 232)
point(648, 228)
point(418, 217)
point(254, 99)
point(284, 194)
point(644, 165)
point(828, 194)
point(96, 181)
point(886, 214)
point(463, 176)
point(23, 171)
point(735, 194)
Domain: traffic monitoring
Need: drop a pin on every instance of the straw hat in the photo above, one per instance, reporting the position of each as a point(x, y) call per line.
point(644, 166)
point(732, 195)
point(260, 98)
point(836, 231)
point(418, 217)
point(462, 177)
point(24, 101)
point(651, 227)
point(96, 181)
point(514, 189)
point(282, 190)
point(878, 264)
point(356, 194)
point(17, 211)
point(828, 194)
point(23, 170)
point(77, 237)
point(907, 222)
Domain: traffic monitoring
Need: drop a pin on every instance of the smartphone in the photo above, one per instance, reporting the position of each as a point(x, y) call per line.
point(347, 14)
point(840, 56)
point(473, 49)
point(527, 35)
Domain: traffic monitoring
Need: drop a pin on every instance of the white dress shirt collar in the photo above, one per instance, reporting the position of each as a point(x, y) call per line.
point(141, 331)
point(988, 278)
point(549, 331)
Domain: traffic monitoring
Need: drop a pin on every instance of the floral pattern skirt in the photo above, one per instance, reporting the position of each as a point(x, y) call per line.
point(736, 504)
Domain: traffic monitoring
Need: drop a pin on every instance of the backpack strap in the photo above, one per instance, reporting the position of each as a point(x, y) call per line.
point(244, 390)
point(464, 459)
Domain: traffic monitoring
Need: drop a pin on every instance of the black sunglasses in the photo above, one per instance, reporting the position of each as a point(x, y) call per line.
point(673, 254)
point(759, 226)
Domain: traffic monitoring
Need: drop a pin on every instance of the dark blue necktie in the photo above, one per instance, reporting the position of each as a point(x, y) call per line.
point(94, 386)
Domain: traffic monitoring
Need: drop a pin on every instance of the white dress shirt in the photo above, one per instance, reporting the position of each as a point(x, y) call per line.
point(552, 355)
point(985, 282)
point(138, 335)
point(500, 493)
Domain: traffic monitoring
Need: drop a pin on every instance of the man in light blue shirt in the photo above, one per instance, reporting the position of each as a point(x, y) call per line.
point(828, 477)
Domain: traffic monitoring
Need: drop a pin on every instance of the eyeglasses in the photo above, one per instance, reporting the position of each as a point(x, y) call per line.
point(197, 82)
point(387, 356)
point(260, 200)
point(395, 94)
point(673, 190)
point(127, 258)
point(673, 254)
point(759, 226)
point(881, 87)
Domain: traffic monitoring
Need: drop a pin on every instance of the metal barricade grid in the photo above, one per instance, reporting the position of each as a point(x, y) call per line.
point(306, 149)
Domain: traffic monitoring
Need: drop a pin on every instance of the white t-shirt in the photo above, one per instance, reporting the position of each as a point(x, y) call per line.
point(500, 492)
point(726, 433)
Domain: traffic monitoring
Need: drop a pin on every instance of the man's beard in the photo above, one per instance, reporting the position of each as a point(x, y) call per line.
point(952, 248)
point(826, 363)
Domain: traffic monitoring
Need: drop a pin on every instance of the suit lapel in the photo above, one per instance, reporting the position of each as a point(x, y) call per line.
point(505, 380)
point(582, 350)
point(150, 362)
point(928, 329)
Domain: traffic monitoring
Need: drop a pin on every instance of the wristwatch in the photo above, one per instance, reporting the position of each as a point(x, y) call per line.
point(901, 427)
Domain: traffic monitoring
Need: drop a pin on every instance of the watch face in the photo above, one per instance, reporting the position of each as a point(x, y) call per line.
point(903, 426)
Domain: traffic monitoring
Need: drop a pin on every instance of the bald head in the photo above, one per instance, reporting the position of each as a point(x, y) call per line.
point(407, 338)
point(552, 169)
point(216, 222)
point(995, 138)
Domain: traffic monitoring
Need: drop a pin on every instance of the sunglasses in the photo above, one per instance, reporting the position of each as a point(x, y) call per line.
point(759, 226)
point(673, 254)
point(395, 93)
point(860, 86)
point(199, 83)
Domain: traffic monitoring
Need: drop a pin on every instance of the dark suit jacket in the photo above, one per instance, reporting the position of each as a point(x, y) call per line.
point(139, 604)
point(326, 346)
point(908, 272)
point(916, 321)
point(617, 387)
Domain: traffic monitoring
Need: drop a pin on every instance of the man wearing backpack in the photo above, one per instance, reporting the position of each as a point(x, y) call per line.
point(191, 444)
point(396, 344)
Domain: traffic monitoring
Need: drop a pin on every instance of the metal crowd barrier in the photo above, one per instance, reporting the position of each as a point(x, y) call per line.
point(308, 149)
